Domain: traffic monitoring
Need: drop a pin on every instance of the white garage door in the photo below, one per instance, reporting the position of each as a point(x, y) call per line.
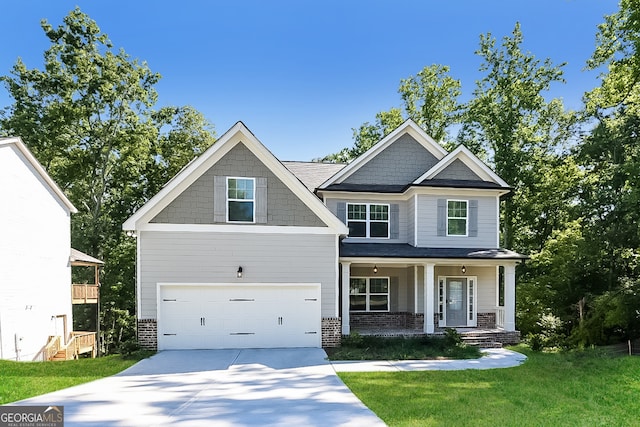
point(239, 316)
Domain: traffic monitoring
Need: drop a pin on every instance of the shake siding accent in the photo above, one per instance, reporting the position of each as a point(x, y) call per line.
point(338, 208)
point(400, 163)
point(428, 227)
point(169, 257)
point(196, 204)
point(458, 170)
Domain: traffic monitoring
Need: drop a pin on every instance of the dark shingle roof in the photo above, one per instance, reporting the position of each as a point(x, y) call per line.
point(403, 250)
point(442, 183)
point(312, 174)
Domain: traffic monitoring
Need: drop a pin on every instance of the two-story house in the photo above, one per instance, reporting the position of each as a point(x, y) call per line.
point(242, 250)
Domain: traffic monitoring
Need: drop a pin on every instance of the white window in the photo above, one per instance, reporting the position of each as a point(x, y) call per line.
point(241, 199)
point(368, 220)
point(369, 294)
point(457, 214)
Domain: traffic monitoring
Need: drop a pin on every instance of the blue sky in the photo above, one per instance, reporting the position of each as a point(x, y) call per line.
point(301, 74)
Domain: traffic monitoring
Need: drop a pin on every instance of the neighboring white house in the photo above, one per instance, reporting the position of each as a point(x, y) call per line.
point(35, 273)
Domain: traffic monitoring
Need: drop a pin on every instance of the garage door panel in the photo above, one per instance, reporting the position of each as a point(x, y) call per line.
point(258, 316)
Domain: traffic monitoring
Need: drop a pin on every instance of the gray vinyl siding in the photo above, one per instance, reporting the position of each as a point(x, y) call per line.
point(332, 204)
point(173, 257)
point(459, 171)
point(428, 218)
point(196, 204)
point(400, 163)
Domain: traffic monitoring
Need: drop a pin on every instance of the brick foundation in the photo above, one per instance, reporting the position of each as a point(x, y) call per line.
point(486, 320)
point(397, 320)
point(331, 332)
point(148, 334)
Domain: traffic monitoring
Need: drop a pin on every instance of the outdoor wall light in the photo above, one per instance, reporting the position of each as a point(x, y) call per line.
point(464, 269)
point(131, 233)
point(375, 269)
point(239, 272)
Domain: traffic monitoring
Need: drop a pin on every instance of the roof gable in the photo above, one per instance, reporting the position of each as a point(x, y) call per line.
point(238, 134)
point(40, 172)
point(461, 164)
point(403, 134)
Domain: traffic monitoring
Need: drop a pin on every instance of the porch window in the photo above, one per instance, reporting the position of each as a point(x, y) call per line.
point(457, 214)
point(368, 220)
point(240, 199)
point(369, 294)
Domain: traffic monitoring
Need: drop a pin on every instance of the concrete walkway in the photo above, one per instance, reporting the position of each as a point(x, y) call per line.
point(493, 358)
point(274, 387)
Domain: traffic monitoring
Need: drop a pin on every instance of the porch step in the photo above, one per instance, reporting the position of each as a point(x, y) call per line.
point(479, 339)
point(59, 356)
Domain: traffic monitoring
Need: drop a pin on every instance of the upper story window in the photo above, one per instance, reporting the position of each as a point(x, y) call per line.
point(457, 214)
point(368, 220)
point(241, 199)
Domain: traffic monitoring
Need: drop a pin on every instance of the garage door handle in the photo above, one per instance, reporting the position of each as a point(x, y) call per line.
point(241, 299)
point(166, 335)
point(279, 320)
point(164, 299)
point(203, 321)
point(311, 299)
point(311, 333)
point(242, 333)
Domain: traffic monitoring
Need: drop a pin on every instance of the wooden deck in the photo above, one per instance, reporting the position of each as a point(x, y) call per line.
point(84, 294)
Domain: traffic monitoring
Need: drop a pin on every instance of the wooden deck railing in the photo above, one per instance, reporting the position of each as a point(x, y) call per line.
point(84, 294)
point(51, 349)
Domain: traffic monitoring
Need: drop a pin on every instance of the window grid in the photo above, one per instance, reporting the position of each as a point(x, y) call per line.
point(457, 215)
point(369, 294)
point(240, 199)
point(368, 220)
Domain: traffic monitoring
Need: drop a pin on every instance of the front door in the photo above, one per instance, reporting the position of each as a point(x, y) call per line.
point(456, 293)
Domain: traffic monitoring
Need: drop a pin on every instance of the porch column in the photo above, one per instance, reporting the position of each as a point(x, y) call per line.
point(346, 278)
point(428, 298)
point(510, 297)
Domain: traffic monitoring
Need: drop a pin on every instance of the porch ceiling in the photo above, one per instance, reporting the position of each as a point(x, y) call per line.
point(404, 250)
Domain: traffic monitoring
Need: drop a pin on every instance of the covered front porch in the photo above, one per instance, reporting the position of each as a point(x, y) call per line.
point(469, 290)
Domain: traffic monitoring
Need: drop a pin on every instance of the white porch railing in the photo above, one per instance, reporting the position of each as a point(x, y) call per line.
point(500, 317)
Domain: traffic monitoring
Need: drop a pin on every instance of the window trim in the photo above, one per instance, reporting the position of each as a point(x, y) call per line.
point(228, 199)
point(368, 219)
point(368, 294)
point(466, 218)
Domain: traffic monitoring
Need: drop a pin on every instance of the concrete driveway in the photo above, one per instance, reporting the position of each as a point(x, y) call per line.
point(274, 387)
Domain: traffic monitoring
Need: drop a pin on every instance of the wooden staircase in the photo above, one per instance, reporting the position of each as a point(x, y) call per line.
point(79, 343)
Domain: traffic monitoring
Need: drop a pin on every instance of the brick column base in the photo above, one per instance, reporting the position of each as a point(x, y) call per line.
point(148, 334)
point(331, 332)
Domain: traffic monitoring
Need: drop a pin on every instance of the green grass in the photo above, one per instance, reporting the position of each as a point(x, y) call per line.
point(587, 388)
point(358, 347)
point(20, 380)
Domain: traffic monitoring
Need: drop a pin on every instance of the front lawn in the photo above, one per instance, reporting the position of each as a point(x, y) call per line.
point(588, 388)
point(20, 380)
point(359, 347)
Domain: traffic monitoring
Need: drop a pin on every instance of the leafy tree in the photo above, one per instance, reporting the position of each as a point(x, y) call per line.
point(88, 118)
point(522, 131)
point(429, 99)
